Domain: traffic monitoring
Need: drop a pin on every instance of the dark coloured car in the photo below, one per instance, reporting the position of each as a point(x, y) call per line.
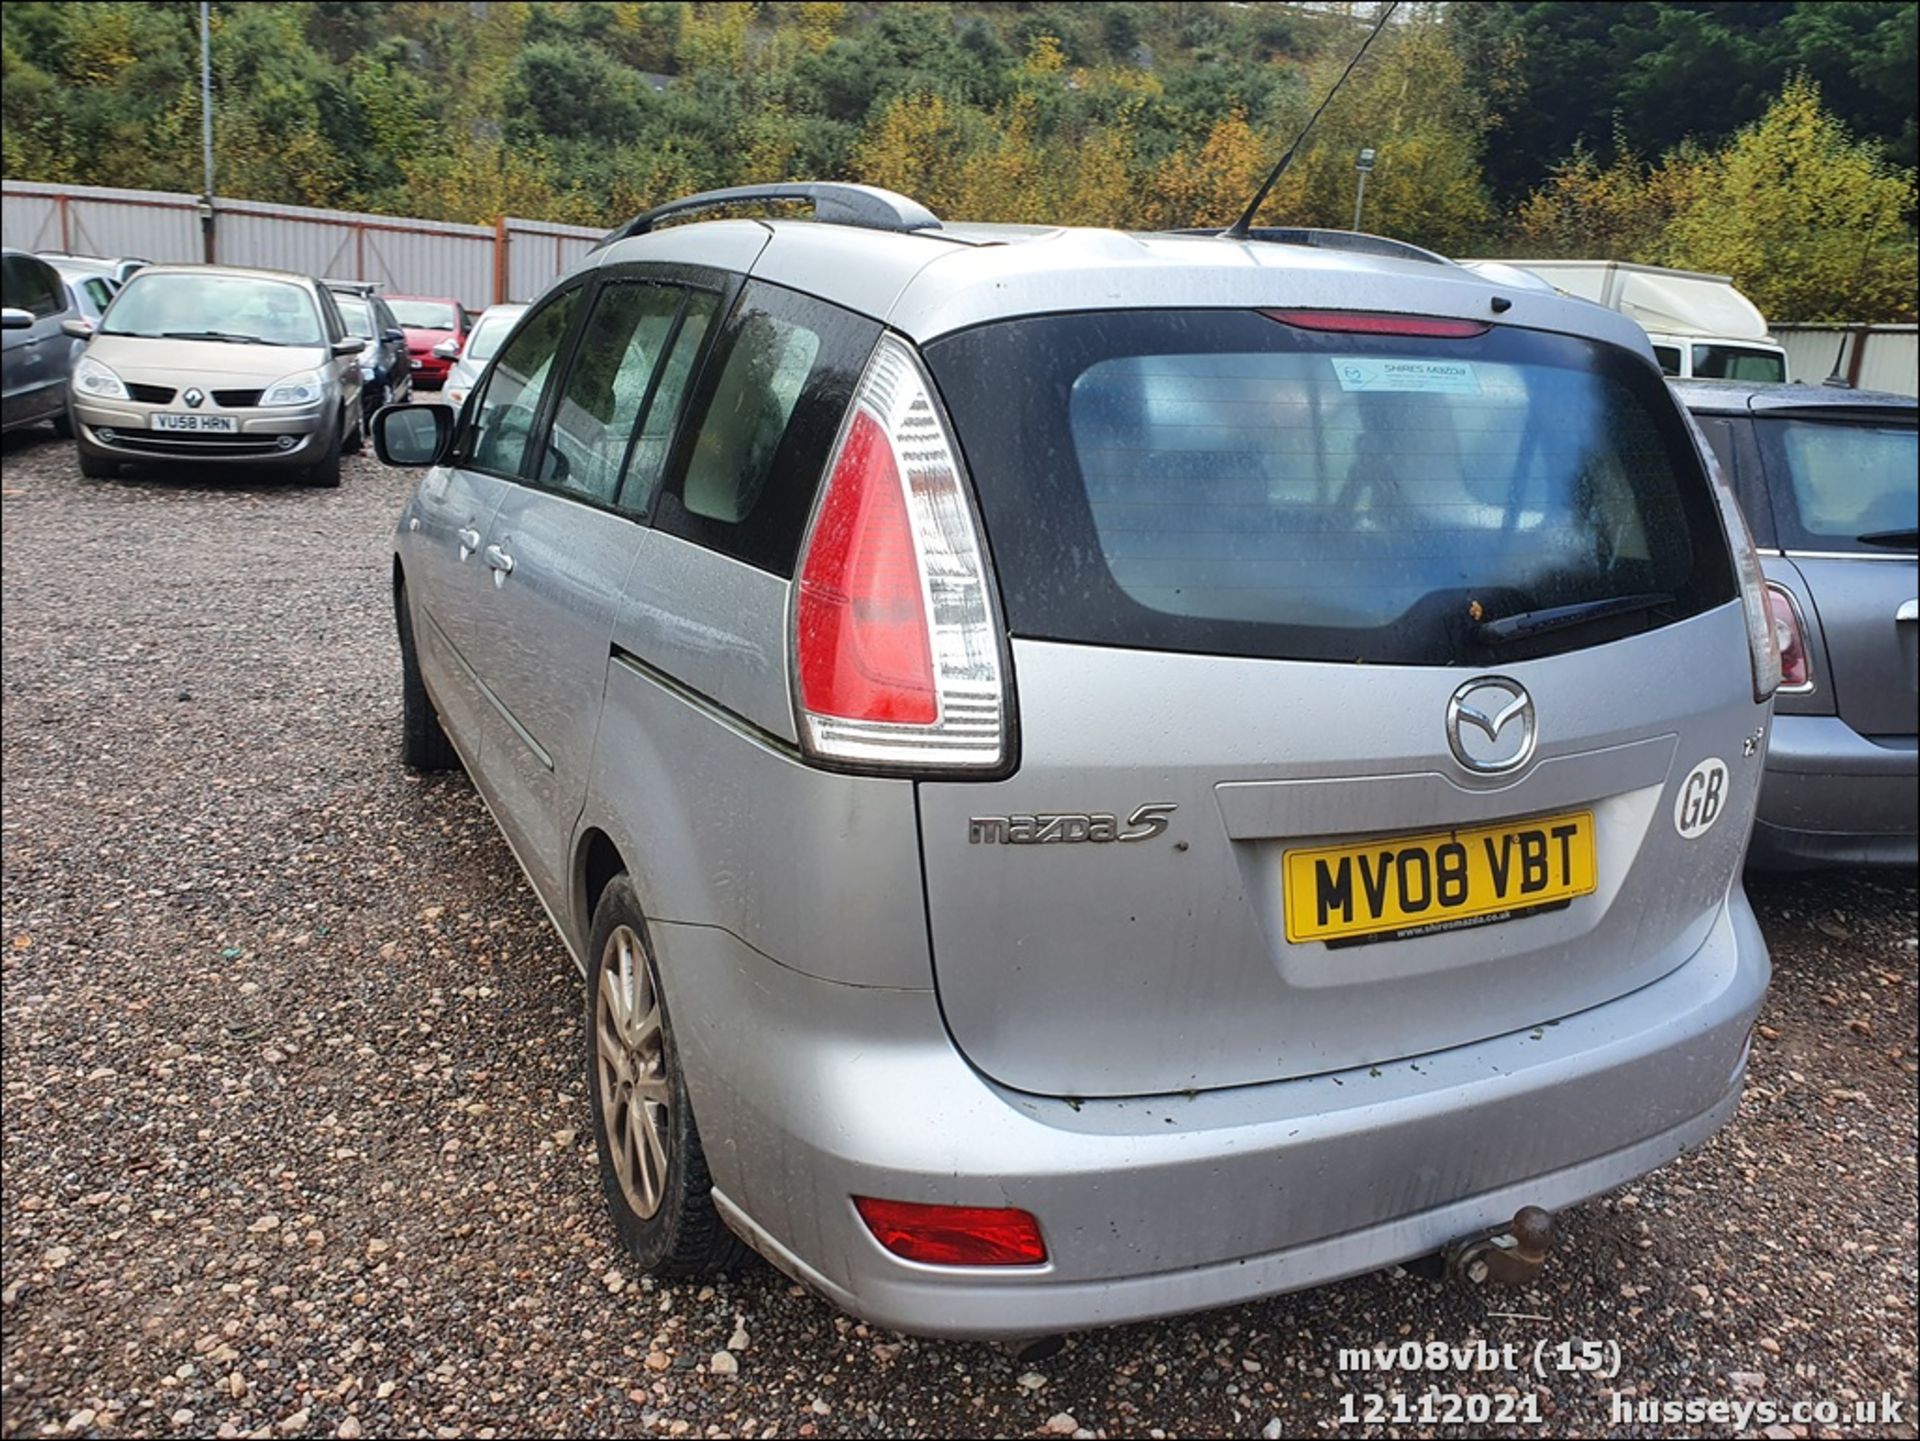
point(428, 321)
point(1826, 477)
point(386, 368)
point(38, 353)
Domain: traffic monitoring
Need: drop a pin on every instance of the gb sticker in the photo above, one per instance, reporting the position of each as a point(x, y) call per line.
point(1703, 795)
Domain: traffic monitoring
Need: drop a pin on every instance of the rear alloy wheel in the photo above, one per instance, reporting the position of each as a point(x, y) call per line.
point(652, 1168)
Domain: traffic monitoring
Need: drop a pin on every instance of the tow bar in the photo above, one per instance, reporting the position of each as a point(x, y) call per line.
point(1508, 1256)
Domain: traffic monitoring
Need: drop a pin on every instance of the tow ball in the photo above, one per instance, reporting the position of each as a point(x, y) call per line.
point(1508, 1256)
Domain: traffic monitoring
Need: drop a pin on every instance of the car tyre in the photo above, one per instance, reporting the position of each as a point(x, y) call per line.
point(424, 745)
point(326, 471)
point(94, 468)
point(63, 424)
point(352, 437)
point(652, 1167)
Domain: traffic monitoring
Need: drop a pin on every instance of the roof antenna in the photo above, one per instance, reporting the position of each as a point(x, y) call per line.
point(1242, 228)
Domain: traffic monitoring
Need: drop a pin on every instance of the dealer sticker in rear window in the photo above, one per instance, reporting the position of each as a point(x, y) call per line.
point(1379, 373)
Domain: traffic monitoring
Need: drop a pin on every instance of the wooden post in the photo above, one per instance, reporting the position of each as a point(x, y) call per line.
point(1853, 361)
point(501, 240)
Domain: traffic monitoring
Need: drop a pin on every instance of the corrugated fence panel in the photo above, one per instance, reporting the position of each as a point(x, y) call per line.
point(99, 220)
point(1889, 357)
point(539, 252)
point(409, 257)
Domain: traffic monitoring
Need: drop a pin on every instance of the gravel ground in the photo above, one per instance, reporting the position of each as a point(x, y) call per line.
point(295, 1140)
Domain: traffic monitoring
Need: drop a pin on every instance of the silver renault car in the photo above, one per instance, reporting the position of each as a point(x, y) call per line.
point(214, 364)
point(1096, 775)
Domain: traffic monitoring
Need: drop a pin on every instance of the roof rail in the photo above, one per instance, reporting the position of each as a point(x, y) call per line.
point(834, 203)
point(1353, 240)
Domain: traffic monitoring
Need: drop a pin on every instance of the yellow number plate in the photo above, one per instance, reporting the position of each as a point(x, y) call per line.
point(1411, 884)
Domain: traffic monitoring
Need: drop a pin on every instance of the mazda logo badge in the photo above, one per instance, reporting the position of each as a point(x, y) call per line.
point(1490, 725)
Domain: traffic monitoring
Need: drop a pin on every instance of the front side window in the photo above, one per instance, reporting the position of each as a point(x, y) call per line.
point(33, 285)
point(1669, 358)
point(504, 417)
point(1842, 485)
point(489, 333)
point(626, 334)
point(1219, 481)
point(243, 309)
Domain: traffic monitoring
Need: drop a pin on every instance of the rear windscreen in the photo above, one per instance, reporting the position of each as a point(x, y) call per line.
point(1219, 481)
point(1844, 485)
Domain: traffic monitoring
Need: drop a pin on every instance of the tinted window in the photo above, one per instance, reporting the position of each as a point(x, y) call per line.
point(184, 304)
point(1669, 358)
point(612, 374)
point(1734, 362)
point(1834, 481)
point(504, 416)
point(1217, 481)
point(32, 285)
point(763, 422)
point(425, 314)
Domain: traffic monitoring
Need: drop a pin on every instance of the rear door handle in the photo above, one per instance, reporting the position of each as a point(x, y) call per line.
point(469, 542)
point(501, 562)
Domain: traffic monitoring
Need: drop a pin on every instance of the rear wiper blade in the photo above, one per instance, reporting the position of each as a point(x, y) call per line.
point(1908, 539)
point(1528, 623)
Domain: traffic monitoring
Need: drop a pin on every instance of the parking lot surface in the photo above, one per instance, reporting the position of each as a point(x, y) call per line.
point(296, 1142)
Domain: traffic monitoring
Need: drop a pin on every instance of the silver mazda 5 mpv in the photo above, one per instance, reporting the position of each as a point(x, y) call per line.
point(1095, 775)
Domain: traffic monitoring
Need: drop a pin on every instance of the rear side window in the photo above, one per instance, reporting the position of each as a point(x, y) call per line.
point(1834, 482)
point(762, 423)
point(1736, 362)
point(1218, 481)
point(613, 368)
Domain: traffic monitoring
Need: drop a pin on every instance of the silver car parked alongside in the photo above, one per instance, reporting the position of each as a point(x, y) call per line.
point(36, 353)
point(1826, 478)
point(1097, 775)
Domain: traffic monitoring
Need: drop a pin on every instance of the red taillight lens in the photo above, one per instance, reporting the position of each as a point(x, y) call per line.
point(954, 1235)
point(1362, 322)
point(861, 620)
point(1796, 672)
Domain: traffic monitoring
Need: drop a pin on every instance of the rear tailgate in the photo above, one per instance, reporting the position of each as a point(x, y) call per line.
point(1245, 566)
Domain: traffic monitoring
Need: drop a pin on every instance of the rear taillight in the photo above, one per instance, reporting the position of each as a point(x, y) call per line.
point(896, 651)
point(1365, 322)
point(1790, 639)
point(1763, 648)
point(954, 1235)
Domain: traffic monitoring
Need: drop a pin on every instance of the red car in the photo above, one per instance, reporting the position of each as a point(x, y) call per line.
point(429, 320)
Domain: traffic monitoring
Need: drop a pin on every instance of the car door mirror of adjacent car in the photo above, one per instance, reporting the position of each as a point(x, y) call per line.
point(347, 345)
point(447, 350)
point(413, 434)
point(396, 336)
point(79, 329)
point(14, 318)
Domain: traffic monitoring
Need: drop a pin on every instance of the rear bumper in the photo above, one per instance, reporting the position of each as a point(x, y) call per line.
point(428, 369)
point(809, 1092)
point(1832, 797)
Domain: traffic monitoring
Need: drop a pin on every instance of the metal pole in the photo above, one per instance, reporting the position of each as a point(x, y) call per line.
point(206, 131)
point(1359, 197)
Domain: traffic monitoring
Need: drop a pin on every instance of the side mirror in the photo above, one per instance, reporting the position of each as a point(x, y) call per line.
point(14, 318)
point(79, 329)
point(413, 434)
point(347, 345)
point(447, 350)
point(394, 337)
